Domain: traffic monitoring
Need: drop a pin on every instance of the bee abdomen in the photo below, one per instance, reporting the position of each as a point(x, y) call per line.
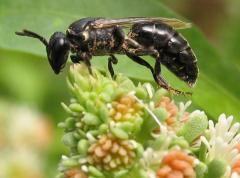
point(176, 44)
point(174, 50)
point(182, 64)
point(179, 58)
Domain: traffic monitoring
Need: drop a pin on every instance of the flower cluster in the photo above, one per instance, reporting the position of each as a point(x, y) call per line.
point(110, 153)
point(177, 164)
point(24, 134)
point(117, 129)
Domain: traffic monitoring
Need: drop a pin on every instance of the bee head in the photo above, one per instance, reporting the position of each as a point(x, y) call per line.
point(57, 49)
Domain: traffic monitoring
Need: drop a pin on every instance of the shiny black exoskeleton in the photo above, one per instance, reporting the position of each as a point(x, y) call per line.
point(101, 41)
point(156, 37)
point(175, 52)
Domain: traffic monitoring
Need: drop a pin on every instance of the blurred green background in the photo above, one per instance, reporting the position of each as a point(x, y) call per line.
point(30, 89)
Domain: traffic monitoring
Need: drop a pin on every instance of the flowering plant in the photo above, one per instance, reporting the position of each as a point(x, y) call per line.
point(117, 129)
point(24, 135)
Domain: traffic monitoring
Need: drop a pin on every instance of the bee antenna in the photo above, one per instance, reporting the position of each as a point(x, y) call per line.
point(33, 35)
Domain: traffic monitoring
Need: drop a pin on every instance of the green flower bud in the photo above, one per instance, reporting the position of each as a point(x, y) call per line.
point(157, 143)
point(181, 142)
point(119, 133)
point(200, 170)
point(75, 107)
point(103, 128)
point(94, 132)
point(127, 84)
point(61, 175)
point(158, 94)
point(141, 93)
point(77, 135)
point(67, 109)
point(82, 147)
point(69, 139)
point(70, 123)
point(119, 92)
point(70, 86)
point(105, 97)
point(71, 75)
point(139, 150)
point(91, 107)
point(108, 91)
point(161, 113)
point(90, 119)
point(81, 97)
point(81, 133)
point(143, 174)
point(103, 113)
point(120, 173)
point(82, 82)
point(93, 96)
point(62, 125)
point(70, 162)
point(126, 126)
point(137, 123)
point(95, 172)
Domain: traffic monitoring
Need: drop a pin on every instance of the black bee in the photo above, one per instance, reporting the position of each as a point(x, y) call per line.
point(154, 37)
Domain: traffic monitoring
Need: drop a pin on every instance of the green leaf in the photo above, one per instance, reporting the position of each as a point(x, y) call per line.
point(147, 127)
point(216, 90)
point(194, 127)
point(228, 36)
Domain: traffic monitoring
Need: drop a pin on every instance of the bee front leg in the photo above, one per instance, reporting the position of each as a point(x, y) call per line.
point(82, 57)
point(112, 60)
point(75, 58)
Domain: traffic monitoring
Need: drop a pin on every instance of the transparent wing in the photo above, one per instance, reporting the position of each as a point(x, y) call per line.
point(128, 22)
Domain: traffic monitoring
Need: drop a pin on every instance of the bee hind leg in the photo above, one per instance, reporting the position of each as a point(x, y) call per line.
point(156, 73)
point(162, 82)
point(140, 61)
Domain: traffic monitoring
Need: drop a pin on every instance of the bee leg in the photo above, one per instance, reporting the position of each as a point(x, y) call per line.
point(140, 61)
point(156, 73)
point(119, 35)
point(134, 47)
point(75, 58)
point(162, 82)
point(88, 64)
point(130, 43)
point(157, 66)
point(112, 60)
point(82, 57)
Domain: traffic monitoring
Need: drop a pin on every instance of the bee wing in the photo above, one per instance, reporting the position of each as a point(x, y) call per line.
point(128, 22)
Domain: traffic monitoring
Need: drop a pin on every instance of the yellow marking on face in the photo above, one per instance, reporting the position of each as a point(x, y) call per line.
point(86, 35)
